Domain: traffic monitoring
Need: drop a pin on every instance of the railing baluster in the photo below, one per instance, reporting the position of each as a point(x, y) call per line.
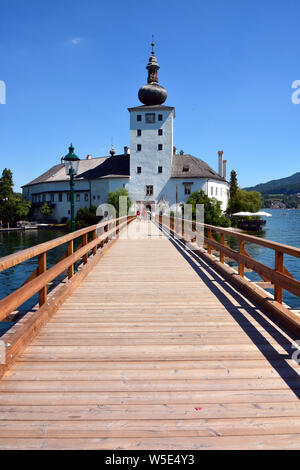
point(70, 252)
point(94, 236)
point(209, 236)
point(278, 267)
point(222, 241)
point(241, 251)
point(84, 242)
point(42, 260)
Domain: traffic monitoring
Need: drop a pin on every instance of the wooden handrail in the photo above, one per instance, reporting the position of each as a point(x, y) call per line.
point(66, 263)
point(280, 276)
point(23, 255)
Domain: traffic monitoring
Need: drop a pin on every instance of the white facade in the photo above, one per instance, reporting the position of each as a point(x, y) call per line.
point(151, 150)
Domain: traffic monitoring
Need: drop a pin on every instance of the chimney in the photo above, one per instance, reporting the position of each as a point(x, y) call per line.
point(220, 162)
point(174, 150)
point(126, 150)
point(181, 152)
point(88, 157)
point(224, 168)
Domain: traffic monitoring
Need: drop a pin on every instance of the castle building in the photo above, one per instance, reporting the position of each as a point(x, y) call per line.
point(151, 169)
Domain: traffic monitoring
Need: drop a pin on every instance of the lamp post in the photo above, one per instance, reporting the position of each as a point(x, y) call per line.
point(71, 166)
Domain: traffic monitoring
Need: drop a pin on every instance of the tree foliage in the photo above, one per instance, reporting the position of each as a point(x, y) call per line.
point(113, 199)
point(86, 217)
point(46, 210)
point(245, 201)
point(212, 209)
point(12, 207)
point(233, 184)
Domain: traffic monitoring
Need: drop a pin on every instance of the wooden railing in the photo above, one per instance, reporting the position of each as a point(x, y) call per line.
point(278, 278)
point(41, 277)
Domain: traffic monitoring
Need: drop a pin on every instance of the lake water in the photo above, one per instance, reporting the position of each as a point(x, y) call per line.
point(283, 227)
point(13, 278)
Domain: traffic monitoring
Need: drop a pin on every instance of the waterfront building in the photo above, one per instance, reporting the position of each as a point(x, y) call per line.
point(151, 168)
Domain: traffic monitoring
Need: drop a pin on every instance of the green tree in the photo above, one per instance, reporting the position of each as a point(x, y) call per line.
point(246, 201)
point(6, 185)
point(233, 184)
point(113, 199)
point(86, 217)
point(12, 207)
point(46, 210)
point(212, 209)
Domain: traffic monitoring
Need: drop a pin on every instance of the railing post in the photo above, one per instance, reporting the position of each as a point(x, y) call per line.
point(94, 236)
point(209, 236)
point(279, 268)
point(70, 252)
point(241, 251)
point(84, 242)
point(42, 260)
point(222, 241)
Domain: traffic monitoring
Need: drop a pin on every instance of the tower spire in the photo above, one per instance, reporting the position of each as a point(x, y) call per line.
point(152, 44)
point(152, 93)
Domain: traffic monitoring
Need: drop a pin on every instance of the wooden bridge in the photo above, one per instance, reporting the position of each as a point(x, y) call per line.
point(151, 345)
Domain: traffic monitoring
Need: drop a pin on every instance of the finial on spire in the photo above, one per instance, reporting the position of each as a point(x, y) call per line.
point(153, 44)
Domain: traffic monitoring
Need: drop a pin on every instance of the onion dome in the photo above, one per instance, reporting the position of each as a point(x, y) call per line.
point(152, 93)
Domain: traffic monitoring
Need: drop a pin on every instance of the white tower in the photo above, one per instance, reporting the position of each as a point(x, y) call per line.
point(151, 141)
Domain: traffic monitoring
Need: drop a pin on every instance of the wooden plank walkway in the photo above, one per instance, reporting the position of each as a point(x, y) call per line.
point(154, 350)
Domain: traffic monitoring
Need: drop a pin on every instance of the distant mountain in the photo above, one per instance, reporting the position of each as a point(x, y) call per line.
point(289, 185)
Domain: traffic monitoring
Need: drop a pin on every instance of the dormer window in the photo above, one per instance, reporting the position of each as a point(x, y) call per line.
point(185, 168)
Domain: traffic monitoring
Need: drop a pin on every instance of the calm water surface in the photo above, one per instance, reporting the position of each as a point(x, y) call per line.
point(283, 227)
point(13, 278)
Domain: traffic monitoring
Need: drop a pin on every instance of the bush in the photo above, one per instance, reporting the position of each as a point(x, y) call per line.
point(113, 199)
point(212, 209)
point(86, 217)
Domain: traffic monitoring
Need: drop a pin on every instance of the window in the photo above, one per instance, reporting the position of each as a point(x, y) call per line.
point(150, 118)
point(216, 191)
point(69, 212)
point(98, 197)
point(160, 169)
point(77, 197)
point(68, 197)
point(160, 117)
point(139, 147)
point(187, 188)
point(52, 197)
point(94, 197)
point(160, 132)
point(86, 197)
point(139, 169)
point(212, 191)
point(138, 117)
point(44, 197)
point(60, 197)
point(139, 132)
point(160, 146)
point(149, 190)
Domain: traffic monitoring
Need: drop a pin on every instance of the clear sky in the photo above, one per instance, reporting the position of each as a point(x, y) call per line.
point(72, 68)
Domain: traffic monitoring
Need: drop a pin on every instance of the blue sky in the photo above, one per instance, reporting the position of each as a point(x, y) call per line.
point(72, 69)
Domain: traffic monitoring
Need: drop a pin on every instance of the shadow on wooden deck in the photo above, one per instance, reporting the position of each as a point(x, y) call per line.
point(217, 284)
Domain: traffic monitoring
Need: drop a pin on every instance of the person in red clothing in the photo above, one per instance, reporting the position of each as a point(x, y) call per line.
point(138, 214)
